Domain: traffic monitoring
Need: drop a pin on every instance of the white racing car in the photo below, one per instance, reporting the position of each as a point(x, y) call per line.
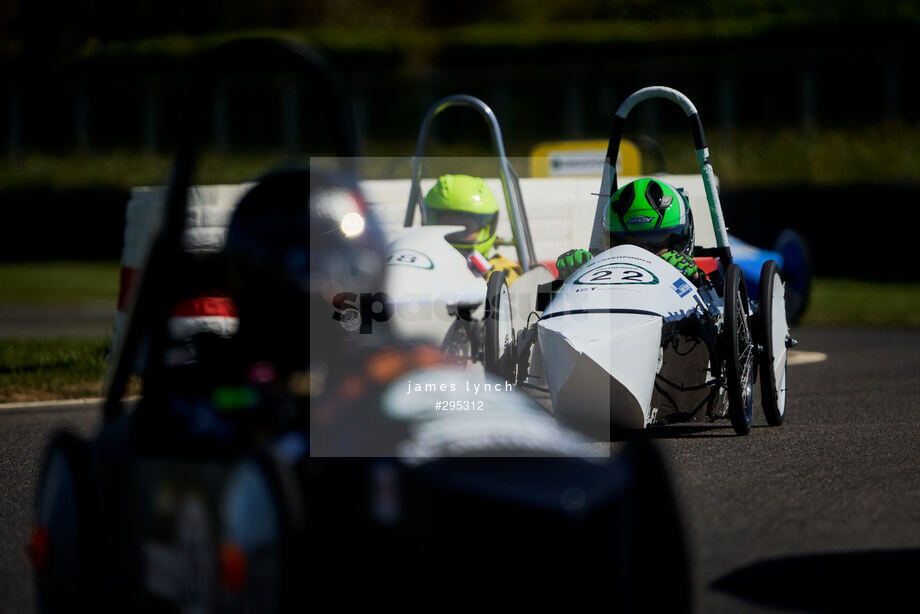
point(628, 342)
point(438, 294)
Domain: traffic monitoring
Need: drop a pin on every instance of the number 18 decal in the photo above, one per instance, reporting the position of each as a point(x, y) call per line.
point(617, 274)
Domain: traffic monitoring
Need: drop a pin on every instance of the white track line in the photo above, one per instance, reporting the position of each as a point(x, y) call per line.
point(798, 357)
point(794, 357)
point(51, 404)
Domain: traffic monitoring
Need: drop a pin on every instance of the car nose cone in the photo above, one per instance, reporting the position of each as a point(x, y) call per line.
point(601, 367)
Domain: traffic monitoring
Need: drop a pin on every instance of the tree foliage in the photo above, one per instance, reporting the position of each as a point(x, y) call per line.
point(27, 28)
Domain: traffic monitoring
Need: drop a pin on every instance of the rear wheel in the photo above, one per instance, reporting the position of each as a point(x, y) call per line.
point(461, 343)
point(499, 351)
point(739, 351)
point(773, 331)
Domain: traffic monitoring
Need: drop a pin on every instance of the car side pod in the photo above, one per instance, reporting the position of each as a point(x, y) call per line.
point(601, 367)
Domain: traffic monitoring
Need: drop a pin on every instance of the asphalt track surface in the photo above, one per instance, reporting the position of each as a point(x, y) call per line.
point(54, 321)
point(821, 514)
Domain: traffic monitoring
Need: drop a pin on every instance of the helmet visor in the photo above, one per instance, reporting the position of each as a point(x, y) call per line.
point(473, 225)
point(656, 240)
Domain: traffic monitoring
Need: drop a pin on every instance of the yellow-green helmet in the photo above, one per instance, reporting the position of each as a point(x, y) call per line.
point(461, 200)
point(651, 214)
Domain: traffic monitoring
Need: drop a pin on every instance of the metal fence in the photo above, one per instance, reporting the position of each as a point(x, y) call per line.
point(111, 105)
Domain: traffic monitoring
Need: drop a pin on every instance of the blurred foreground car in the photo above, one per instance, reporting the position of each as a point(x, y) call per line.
point(291, 463)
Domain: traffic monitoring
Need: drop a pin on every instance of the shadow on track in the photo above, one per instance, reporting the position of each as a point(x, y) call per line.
point(869, 581)
point(675, 431)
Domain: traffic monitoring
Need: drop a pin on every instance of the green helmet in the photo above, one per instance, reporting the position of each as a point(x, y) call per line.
point(651, 214)
point(461, 200)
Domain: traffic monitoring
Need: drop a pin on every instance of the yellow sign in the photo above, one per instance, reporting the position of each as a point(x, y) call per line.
point(581, 159)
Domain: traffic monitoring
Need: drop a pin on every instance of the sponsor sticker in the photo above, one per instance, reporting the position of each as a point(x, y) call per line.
point(409, 257)
point(640, 219)
point(600, 259)
point(681, 287)
point(562, 163)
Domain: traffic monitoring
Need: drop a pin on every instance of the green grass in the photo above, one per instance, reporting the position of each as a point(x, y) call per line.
point(374, 28)
point(58, 368)
point(125, 169)
point(37, 369)
point(59, 283)
point(846, 302)
point(881, 153)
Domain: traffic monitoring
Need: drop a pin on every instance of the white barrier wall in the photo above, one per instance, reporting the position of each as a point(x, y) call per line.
point(209, 212)
point(560, 211)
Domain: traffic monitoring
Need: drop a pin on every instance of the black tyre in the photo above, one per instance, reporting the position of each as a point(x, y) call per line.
point(739, 351)
point(263, 491)
point(461, 343)
point(65, 543)
point(499, 344)
point(772, 334)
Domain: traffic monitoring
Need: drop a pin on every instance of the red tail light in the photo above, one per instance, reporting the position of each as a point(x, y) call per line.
point(39, 548)
point(232, 567)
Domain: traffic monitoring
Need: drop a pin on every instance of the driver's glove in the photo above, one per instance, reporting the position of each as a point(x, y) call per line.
point(570, 261)
point(684, 264)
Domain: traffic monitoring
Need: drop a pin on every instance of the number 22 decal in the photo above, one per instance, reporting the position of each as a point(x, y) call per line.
point(617, 274)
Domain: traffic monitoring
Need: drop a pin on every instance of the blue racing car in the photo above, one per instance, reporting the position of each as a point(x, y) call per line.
point(791, 252)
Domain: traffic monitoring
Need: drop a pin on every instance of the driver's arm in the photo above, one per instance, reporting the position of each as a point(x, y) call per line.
point(685, 265)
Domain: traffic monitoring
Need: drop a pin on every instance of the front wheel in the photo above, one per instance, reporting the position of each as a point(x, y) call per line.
point(772, 335)
point(739, 351)
point(66, 544)
point(499, 351)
